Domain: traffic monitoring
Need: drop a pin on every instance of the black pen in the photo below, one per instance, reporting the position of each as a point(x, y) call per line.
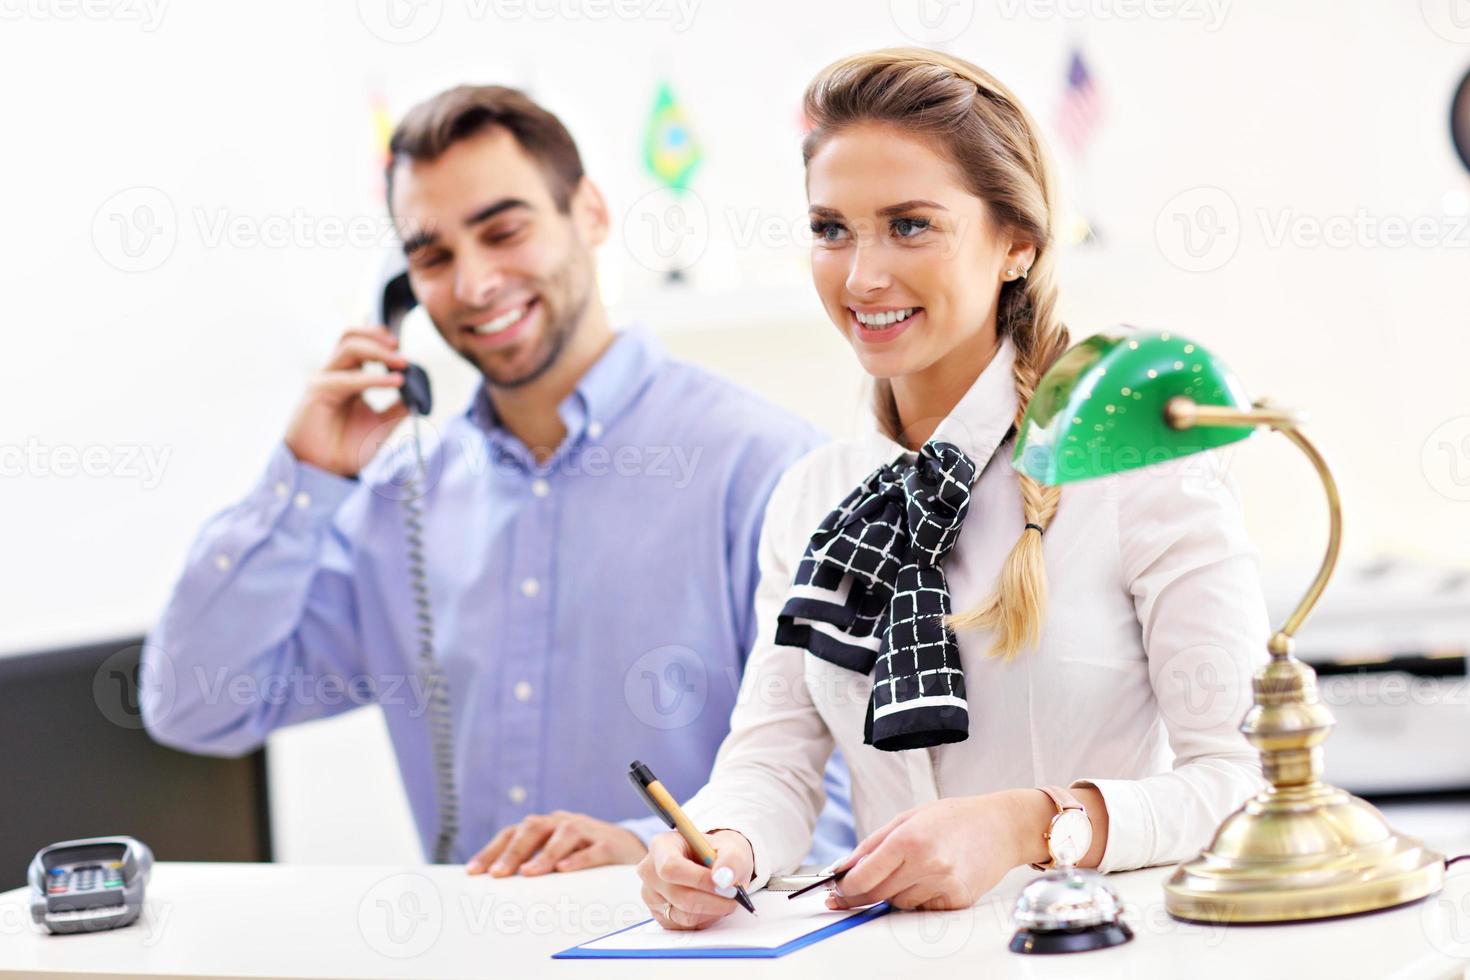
point(827, 880)
point(661, 803)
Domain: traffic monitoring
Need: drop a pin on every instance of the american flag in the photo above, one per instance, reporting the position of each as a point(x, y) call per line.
point(1080, 108)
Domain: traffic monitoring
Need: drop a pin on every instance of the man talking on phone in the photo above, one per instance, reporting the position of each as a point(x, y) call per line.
point(579, 586)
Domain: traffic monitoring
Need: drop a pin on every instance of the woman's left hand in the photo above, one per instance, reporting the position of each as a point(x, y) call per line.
point(945, 854)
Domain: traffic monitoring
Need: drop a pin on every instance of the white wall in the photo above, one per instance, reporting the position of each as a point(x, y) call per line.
point(256, 120)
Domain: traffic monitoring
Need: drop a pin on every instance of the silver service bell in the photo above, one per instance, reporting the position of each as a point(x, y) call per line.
point(1068, 910)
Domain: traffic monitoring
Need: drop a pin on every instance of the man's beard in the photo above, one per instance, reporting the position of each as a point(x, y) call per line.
point(561, 321)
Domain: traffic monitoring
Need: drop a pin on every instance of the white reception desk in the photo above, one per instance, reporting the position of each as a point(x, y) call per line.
point(262, 920)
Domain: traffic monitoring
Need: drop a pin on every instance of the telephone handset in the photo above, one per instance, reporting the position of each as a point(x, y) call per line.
point(395, 300)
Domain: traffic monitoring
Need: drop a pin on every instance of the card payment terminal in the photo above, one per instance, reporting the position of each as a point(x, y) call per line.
point(89, 885)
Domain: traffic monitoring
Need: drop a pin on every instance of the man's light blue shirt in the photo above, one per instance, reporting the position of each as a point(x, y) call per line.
point(589, 610)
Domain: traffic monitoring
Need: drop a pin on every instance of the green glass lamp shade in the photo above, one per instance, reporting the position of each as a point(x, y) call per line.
point(1100, 409)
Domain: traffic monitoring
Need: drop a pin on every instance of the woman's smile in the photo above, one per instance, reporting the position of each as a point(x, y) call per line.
point(881, 324)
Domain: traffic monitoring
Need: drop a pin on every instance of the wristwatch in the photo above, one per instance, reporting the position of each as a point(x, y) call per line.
point(1070, 834)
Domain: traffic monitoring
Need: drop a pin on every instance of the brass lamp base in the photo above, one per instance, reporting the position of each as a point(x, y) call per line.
point(1301, 849)
point(1306, 852)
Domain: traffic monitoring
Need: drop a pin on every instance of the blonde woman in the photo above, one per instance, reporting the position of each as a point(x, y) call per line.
point(988, 653)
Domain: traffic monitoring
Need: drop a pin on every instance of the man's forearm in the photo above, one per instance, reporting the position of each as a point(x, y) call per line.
point(252, 608)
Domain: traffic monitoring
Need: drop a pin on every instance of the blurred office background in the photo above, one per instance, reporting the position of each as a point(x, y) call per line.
point(193, 201)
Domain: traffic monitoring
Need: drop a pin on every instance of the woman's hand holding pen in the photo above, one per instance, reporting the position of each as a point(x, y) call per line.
point(942, 855)
point(948, 853)
point(682, 893)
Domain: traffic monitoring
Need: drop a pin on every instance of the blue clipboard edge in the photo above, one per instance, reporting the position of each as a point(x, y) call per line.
point(856, 919)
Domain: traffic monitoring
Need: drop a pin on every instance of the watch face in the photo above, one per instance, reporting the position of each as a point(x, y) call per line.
point(1071, 836)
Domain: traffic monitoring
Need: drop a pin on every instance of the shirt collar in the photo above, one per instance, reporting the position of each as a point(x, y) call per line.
point(980, 420)
point(607, 388)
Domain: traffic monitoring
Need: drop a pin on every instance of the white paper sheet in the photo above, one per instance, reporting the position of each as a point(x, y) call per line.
point(779, 920)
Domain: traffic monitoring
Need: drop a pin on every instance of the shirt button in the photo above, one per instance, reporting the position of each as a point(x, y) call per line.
point(222, 562)
point(594, 429)
point(282, 490)
point(522, 691)
point(530, 587)
point(540, 488)
point(303, 500)
point(517, 794)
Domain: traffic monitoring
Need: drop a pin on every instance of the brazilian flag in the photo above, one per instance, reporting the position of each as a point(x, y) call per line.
point(669, 149)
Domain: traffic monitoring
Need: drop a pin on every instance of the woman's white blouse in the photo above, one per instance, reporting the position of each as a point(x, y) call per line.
point(1154, 624)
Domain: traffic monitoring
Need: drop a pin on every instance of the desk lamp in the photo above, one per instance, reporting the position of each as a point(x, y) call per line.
point(1300, 849)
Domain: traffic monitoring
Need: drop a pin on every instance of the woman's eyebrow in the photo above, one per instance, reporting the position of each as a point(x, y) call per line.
point(820, 211)
point(894, 209)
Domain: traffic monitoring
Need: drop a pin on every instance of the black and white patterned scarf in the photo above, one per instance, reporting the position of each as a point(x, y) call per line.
point(870, 595)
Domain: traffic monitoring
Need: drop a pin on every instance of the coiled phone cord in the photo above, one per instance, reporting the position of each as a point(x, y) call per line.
point(436, 684)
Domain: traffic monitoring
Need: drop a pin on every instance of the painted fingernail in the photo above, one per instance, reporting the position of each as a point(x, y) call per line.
point(724, 877)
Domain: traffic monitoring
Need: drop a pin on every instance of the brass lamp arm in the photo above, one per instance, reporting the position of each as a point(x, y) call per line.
point(1184, 413)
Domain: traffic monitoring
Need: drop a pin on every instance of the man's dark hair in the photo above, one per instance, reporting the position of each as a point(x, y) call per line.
point(432, 127)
